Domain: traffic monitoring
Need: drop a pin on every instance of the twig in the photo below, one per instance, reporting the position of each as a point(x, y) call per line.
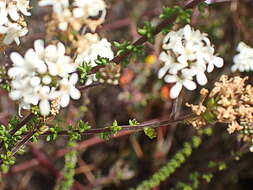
point(22, 123)
point(188, 5)
point(136, 128)
point(21, 143)
point(139, 127)
point(86, 87)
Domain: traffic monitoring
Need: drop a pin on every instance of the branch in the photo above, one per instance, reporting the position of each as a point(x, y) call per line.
point(150, 124)
point(86, 87)
point(22, 123)
point(117, 59)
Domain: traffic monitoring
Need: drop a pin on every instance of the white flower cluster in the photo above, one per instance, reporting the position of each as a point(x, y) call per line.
point(42, 76)
point(12, 24)
point(75, 15)
point(244, 60)
point(89, 12)
point(187, 53)
point(98, 47)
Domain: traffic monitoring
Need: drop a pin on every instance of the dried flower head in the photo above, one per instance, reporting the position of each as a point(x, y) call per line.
point(230, 101)
point(110, 74)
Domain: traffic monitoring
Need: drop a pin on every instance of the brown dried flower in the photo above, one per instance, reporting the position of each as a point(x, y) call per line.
point(55, 106)
point(110, 74)
point(230, 101)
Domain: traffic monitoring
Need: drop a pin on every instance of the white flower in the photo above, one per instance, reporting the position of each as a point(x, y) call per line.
point(58, 5)
point(208, 1)
point(42, 76)
point(187, 53)
point(68, 89)
point(198, 70)
point(25, 66)
point(18, 88)
point(185, 79)
point(10, 20)
point(58, 63)
point(170, 65)
point(44, 96)
point(251, 148)
point(3, 13)
point(12, 33)
point(64, 19)
point(23, 7)
point(101, 48)
point(12, 8)
point(89, 8)
point(244, 60)
point(54, 56)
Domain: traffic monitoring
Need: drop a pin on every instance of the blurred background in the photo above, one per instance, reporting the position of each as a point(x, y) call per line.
point(125, 161)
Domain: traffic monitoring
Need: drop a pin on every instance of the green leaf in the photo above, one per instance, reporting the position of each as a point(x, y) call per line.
point(83, 126)
point(115, 128)
point(150, 132)
point(133, 122)
point(208, 177)
point(105, 135)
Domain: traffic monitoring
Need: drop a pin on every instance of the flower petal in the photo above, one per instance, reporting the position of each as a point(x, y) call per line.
point(170, 78)
point(75, 93)
point(189, 84)
point(65, 100)
point(175, 90)
point(17, 59)
point(44, 107)
point(218, 62)
point(201, 78)
point(73, 79)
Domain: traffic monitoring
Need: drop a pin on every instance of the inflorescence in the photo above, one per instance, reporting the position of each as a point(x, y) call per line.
point(187, 53)
point(12, 22)
point(230, 102)
point(244, 60)
point(42, 77)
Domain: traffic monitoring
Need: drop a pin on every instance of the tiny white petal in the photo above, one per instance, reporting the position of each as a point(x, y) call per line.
point(170, 78)
point(75, 93)
point(35, 81)
point(73, 79)
point(175, 90)
point(189, 84)
point(15, 95)
point(218, 62)
point(64, 101)
point(44, 107)
point(46, 79)
point(201, 78)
